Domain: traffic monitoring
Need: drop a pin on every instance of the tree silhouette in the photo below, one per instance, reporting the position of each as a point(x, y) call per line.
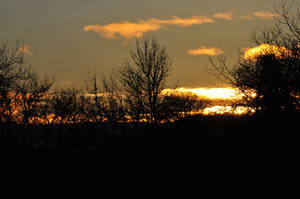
point(104, 102)
point(31, 89)
point(115, 111)
point(22, 89)
point(65, 105)
point(270, 81)
point(95, 100)
point(143, 79)
point(11, 60)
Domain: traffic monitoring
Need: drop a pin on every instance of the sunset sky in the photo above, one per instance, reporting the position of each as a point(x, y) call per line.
point(71, 37)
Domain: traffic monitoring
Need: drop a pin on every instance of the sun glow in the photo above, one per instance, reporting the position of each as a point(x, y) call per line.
point(219, 97)
point(239, 110)
point(217, 101)
point(214, 93)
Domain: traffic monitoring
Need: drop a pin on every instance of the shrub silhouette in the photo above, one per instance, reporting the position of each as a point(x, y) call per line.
point(176, 105)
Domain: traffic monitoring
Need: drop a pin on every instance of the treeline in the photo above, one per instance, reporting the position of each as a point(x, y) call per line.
point(133, 93)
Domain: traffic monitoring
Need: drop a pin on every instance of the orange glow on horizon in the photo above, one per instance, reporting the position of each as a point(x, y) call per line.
point(212, 93)
point(226, 94)
point(240, 110)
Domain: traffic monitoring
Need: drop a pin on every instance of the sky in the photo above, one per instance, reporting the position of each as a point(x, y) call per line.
point(70, 38)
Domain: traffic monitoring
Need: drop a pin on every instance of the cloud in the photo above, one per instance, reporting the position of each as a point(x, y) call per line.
point(209, 92)
point(265, 49)
point(212, 51)
point(264, 14)
point(194, 20)
point(129, 30)
point(247, 17)
point(227, 15)
point(259, 14)
point(26, 49)
point(126, 30)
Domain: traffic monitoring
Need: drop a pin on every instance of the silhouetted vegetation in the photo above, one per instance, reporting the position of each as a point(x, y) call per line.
point(143, 80)
point(270, 80)
point(10, 62)
point(22, 88)
point(124, 133)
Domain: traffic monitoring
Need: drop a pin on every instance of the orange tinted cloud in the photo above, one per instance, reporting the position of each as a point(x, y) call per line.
point(126, 30)
point(212, 51)
point(26, 49)
point(227, 15)
point(265, 49)
point(264, 14)
point(247, 17)
point(129, 30)
point(259, 14)
point(194, 20)
point(209, 93)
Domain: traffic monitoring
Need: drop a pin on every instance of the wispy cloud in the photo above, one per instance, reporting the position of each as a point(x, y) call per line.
point(212, 51)
point(260, 15)
point(248, 17)
point(129, 30)
point(227, 15)
point(126, 29)
point(26, 49)
point(264, 14)
point(194, 20)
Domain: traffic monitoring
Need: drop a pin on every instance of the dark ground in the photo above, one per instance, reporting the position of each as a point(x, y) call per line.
point(201, 153)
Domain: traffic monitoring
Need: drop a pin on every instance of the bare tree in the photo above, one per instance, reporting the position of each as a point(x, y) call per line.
point(271, 80)
point(143, 79)
point(65, 105)
point(22, 89)
point(31, 89)
point(11, 59)
point(46, 110)
point(96, 106)
point(286, 31)
point(105, 102)
point(115, 111)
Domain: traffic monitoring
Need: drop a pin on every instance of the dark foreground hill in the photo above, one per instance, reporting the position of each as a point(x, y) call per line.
point(203, 153)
